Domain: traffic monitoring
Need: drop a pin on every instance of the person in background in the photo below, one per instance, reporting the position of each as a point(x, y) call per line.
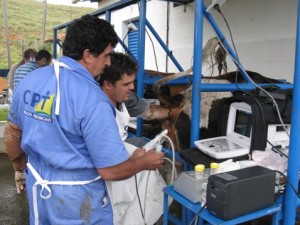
point(28, 55)
point(61, 128)
point(42, 58)
point(117, 81)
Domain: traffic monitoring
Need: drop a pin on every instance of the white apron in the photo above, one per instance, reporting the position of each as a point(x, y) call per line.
point(123, 194)
point(45, 184)
point(122, 118)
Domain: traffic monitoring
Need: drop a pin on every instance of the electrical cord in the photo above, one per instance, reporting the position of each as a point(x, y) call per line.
point(154, 52)
point(173, 159)
point(174, 173)
point(195, 218)
point(238, 64)
point(277, 149)
point(126, 35)
point(138, 195)
point(290, 183)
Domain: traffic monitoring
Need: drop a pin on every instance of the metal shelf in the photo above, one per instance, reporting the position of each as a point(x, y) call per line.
point(206, 216)
point(290, 203)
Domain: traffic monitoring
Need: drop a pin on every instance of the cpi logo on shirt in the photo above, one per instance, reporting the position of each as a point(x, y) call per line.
point(42, 103)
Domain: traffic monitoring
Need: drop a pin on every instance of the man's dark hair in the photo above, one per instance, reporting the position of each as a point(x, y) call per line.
point(88, 32)
point(120, 64)
point(42, 54)
point(28, 52)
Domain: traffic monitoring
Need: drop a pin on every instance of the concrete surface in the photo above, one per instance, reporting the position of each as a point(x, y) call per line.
point(13, 206)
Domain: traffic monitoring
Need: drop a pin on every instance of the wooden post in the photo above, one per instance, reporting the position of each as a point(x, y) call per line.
point(6, 33)
point(44, 24)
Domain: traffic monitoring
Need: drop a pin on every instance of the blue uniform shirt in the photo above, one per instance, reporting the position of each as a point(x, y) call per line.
point(83, 136)
point(23, 70)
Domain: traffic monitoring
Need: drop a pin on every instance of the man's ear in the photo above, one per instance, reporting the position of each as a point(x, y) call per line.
point(107, 85)
point(43, 61)
point(87, 56)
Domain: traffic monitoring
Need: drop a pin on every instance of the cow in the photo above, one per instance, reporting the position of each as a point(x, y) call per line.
point(179, 104)
point(180, 124)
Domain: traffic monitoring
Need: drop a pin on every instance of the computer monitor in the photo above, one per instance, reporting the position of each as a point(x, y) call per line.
point(237, 140)
point(239, 123)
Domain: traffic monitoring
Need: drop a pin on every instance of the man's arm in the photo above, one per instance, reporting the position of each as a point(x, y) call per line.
point(12, 138)
point(140, 160)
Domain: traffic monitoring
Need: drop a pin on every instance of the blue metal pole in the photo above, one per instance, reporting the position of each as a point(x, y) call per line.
point(108, 16)
point(160, 41)
point(294, 153)
point(54, 44)
point(197, 71)
point(126, 48)
point(141, 60)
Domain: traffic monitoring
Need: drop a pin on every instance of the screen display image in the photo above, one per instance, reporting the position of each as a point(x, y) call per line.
point(243, 123)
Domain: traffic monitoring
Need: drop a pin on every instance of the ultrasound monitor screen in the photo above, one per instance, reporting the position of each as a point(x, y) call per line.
point(243, 122)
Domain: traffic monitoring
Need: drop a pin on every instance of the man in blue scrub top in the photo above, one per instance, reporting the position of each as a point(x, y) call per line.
point(63, 126)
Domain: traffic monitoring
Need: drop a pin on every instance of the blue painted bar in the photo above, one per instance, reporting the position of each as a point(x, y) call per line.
point(126, 49)
point(141, 60)
point(4, 72)
point(108, 16)
point(290, 203)
point(197, 71)
point(54, 54)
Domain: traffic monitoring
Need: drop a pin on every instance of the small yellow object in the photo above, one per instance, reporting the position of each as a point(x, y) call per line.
point(214, 168)
point(199, 168)
point(214, 165)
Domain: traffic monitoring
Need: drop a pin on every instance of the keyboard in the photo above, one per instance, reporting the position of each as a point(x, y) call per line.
point(221, 148)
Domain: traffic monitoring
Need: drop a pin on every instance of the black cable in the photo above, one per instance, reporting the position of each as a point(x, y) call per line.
point(217, 8)
point(237, 62)
point(140, 203)
point(277, 149)
point(126, 34)
point(154, 52)
point(290, 183)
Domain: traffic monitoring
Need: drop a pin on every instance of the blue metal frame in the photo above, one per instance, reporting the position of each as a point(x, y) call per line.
point(205, 216)
point(141, 60)
point(291, 202)
point(197, 71)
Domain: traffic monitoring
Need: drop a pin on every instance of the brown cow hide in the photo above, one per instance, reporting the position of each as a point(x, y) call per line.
point(180, 124)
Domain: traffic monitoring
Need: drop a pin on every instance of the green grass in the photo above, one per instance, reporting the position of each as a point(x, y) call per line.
point(25, 19)
point(3, 114)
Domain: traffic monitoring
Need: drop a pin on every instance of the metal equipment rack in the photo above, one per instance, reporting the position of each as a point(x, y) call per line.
point(291, 201)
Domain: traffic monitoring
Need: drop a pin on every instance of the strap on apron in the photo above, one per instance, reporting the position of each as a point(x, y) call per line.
point(39, 180)
point(45, 186)
point(57, 64)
